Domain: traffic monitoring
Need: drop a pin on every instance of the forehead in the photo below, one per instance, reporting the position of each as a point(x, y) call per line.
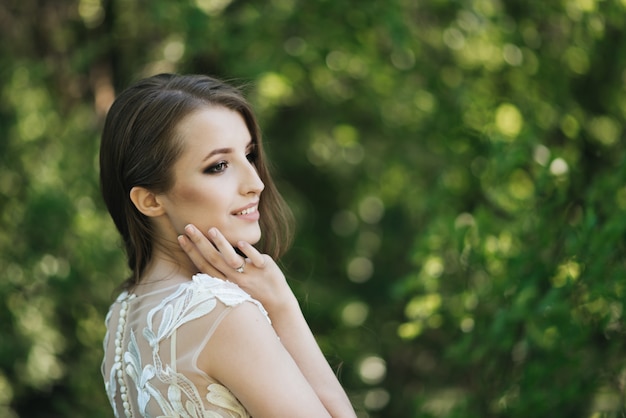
point(212, 126)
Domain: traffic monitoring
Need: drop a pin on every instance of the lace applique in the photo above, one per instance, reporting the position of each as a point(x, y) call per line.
point(150, 376)
point(227, 292)
point(222, 397)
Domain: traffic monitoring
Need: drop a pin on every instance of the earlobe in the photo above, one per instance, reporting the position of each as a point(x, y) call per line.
point(146, 202)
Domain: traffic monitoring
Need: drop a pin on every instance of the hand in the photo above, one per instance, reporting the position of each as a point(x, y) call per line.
point(261, 277)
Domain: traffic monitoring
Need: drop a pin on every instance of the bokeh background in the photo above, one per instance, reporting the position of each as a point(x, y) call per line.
point(457, 169)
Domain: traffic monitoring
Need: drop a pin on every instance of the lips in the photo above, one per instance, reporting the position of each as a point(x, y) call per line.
point(246, 210)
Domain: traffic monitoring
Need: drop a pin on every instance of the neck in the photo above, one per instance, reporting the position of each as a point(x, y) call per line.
point(170, 263)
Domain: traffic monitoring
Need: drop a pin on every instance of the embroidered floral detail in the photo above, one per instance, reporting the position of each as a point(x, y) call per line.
point(222, 397)
point(140, 376)
point(163, 392)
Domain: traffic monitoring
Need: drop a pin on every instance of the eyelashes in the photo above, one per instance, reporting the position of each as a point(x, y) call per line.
point(252, 156)
point(252, 153)
point(219, 167)
point(216, 168)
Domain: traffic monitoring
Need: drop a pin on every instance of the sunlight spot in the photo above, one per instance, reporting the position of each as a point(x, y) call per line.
point(174, 50)
point(434, 321)
point(410, 330)
point(559, 167)
point(43, 366)
point(91, 12)
point(467, 324)
point(442, 402)
point(353, 154)
point(273, 87)
point(49, 265)
point(512, 55)
point(31, 126)
point(354, 313)
point(376, 399)
point(6, 391)
point(371, 209)
point(453, 38)
point(360, 269)
point(570, 126)
point(319, 153)
point(550, 337)
point(425, 101)
point(568, 271)
point(491, 244)
point(607, 399)
point(509, 120)
point(295, 46)
point(403, 59)
point(541, 155)
point(372, 370)
point(212, 7)
point(521, 185)
point(433, 266)
point(451, 76)
point(577, 60)
point(423, 306)
point(464, 220)
point(337, 60)
point(470, 301)
point(345, 135)
point(605, 129)
point(14, 273)
point(585, 5)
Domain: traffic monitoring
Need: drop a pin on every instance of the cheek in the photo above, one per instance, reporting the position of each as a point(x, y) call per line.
point(187, 195)
point(200, 201)
point(193, 194)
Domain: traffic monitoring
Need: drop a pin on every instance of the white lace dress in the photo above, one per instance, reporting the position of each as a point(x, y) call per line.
point(152, 346)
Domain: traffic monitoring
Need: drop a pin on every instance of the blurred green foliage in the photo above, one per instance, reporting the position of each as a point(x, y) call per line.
point(457, 168)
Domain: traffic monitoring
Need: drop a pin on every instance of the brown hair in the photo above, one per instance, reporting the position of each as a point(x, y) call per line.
point(139, 148)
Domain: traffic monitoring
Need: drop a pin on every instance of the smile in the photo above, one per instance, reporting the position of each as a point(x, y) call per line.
point(247, 211)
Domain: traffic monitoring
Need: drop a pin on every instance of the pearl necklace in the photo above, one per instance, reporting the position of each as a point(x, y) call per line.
point(118, 366)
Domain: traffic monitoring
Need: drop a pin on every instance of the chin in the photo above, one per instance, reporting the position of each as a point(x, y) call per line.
point(250, 237)
point(253, 238)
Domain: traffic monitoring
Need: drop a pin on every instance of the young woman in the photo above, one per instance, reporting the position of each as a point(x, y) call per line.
point(206, 325)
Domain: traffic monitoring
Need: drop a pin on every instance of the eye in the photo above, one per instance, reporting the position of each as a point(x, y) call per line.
point(216, 168)
point(252, 154)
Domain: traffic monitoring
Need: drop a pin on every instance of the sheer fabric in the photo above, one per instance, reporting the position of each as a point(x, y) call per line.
point(152, 345)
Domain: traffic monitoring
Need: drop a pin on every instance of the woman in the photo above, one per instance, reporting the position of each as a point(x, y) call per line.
point(181, 157)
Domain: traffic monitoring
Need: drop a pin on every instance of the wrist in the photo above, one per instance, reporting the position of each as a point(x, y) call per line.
point(285, 307)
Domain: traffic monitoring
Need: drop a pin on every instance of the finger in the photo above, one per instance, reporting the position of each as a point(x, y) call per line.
point(194, 254)
point(252, 253)
point(226, 250)
point(200, 250)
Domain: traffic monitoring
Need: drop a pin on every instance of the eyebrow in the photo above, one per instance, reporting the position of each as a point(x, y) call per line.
point(226, 150)
point(218, 151)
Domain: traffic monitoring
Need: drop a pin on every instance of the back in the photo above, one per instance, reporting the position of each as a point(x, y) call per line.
point(152, 346)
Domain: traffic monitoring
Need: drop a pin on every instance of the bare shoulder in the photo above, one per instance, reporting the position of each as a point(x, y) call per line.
point(246, 355)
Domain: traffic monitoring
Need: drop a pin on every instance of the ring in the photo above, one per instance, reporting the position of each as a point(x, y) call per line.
point(240, 268)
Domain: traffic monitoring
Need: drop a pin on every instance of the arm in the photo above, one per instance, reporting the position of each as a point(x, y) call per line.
point(298, 339)
point(264, 281)
point(245, 355)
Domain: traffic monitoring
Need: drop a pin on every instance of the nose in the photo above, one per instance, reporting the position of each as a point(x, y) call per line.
point(251, 182)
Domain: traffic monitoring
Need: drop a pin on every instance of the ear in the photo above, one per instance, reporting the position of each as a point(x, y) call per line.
point(146, 202)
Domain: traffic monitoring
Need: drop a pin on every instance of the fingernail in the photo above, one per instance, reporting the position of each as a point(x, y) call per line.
point(189, 229)
point(181, 239)
point(213, 232)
